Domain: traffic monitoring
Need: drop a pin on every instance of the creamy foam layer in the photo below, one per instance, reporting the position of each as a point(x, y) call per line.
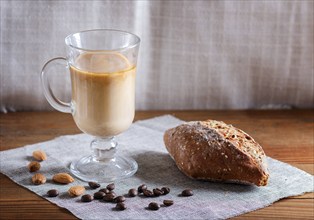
point(103, 93)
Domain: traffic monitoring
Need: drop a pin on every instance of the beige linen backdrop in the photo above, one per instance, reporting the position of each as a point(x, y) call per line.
point(193, 55)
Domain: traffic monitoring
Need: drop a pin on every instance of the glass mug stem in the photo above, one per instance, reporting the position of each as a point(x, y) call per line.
point(51, 98)
point(104, 149)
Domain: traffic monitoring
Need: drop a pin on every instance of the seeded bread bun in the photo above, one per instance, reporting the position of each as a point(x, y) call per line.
point(212, 150)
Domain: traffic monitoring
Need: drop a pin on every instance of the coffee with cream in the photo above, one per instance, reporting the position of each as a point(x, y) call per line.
point(103, 93)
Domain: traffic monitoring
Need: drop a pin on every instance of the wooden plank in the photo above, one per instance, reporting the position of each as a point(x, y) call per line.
point(284, 209)
point(284, 135)
point(287, 140)
point(32, 210)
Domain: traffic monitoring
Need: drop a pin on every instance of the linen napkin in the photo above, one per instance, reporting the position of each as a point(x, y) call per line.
point(144, 142)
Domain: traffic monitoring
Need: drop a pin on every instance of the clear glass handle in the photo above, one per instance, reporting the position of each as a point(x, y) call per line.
point(51, 98)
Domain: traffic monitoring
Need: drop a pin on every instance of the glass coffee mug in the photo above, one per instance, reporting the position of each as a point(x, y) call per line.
point(102, 65)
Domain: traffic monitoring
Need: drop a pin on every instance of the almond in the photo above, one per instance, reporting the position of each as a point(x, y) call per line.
point(38, 179)
point(33, 166)
point(39, 155)
point(63, 178)
point(76, 190)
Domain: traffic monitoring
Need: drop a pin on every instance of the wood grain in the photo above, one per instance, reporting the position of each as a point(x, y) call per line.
point(285, 135)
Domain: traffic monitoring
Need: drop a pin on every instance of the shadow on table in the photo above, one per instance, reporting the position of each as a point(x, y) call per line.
point(157, 169)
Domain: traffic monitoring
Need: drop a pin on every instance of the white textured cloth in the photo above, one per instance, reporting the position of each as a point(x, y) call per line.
point(143, 141)
point(193, 55)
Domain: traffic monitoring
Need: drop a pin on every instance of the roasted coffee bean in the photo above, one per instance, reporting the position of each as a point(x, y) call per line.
point(132, 192)
point(93, 185)
point(153, 206)
point(53, 193)
point(148, 193)
point(141, 188)
point(168, 202)
point(104, 190)
point(111, 186)
point(119, 199)
point(109, 197)
point(157, 192)
point(166, 190)
point(113, 193)
point(187, 192)
point(120, 206)
point(99, 195)
point(86, 198)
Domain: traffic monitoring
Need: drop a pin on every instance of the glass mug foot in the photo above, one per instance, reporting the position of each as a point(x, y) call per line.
point(105, 164)
point(90, 169)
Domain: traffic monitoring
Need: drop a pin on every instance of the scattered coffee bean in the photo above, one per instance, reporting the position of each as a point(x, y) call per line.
point(132, 192)
point(166, 190)
point(148, 193)
point(104, 190)
point(187, 192)
point(111, 186)
point(86, 198)
point(53, 193)
point(119, 199)
point(141, 188)
point(109, 197)
point(120, 206)
point(153, 206)
point(157, 192)
point(93, 185)
point(99, 195)
point(168, 202)
point(113, 193)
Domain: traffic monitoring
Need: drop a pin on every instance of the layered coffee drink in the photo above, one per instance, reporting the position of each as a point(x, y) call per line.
point(103, 93)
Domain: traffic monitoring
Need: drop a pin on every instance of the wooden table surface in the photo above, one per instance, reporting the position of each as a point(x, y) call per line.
point(286, 135)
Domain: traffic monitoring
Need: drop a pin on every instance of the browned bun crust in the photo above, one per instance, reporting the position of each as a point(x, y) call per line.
point(212, 150)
